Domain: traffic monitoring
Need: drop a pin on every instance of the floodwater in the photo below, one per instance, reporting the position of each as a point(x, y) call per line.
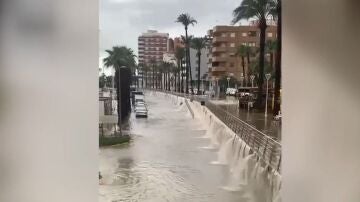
point(267, 125)
point(166, 161)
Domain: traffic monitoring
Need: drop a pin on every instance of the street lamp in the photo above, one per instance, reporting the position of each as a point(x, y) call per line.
point(267, 76)
point(242, 80)
point(252, 77)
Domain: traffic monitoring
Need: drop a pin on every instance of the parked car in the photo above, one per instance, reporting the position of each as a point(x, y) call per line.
point(231, 91)
point(141, 110)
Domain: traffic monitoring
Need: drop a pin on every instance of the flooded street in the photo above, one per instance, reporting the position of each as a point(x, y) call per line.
point(164, 161)
point(167, 160)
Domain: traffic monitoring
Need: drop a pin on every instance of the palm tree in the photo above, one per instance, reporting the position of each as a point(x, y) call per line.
point(179, 55)
point(249, 52)
point(261, 10)
point(174, 71)
point(242, 51)
point(271, 47)
point(186, 20)
point(153, 69)
point(118, 57)
point(188, 67)
point(102, 80)
point(277, 15)
point(198, 44)
point(144, 70)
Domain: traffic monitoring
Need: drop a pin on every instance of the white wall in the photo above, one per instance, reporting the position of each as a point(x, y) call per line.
point(321, 104)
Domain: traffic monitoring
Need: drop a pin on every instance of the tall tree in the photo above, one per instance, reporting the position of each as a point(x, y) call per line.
point(261, 10)
point(271, 47)
point(119, 56)
point(242, 52)
point(198, 44)
point(188, 75)
point(179, 55)
point(153, 66)
point(102, 80)
point(186, 20)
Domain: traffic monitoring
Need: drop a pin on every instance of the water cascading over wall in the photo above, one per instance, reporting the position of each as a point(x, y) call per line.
point(261, 182)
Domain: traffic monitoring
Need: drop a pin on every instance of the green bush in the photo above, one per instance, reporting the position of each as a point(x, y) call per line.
point(113, 140)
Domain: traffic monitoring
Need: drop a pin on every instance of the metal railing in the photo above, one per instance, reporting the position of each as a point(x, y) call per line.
point(267, 149)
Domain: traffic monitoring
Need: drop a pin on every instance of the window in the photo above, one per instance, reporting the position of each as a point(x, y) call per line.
point(232, 44)
point(270, 34)
point(146, 48)
point(244, 34)
point(157, 48)
point(223, 34)
point(232, 35)
point(244, 43)
point(252, 33)
point(252, 44)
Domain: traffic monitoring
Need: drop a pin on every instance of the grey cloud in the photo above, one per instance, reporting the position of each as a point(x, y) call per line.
point(121, 21)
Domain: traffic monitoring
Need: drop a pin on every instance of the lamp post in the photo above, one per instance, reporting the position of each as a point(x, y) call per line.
point(228, 80)
point(252, 77)
point(242, 80)
point(267, 76)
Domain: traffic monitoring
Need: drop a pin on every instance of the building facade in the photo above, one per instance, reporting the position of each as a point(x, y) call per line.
point(151, 46)
point(195, 66)
point(225, 40)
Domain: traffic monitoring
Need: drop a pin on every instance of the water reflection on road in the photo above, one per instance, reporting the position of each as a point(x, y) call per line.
point(163, 162)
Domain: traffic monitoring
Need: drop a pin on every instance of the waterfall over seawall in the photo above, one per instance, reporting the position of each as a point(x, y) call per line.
point(249, 175)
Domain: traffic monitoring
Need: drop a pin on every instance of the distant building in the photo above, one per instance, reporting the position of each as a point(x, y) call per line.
point(170, 58)
point(151, 46)
point(194, 63)
point(171, 47)
point(222, 60)
point(178, 43)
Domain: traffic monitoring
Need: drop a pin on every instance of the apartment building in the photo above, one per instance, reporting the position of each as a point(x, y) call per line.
point(203, 63)
point(225, 40)
point(151, 46)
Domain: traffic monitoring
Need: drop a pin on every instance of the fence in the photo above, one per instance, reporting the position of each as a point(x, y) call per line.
point(267, 149)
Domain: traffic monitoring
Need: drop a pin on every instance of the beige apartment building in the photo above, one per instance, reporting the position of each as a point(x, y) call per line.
point(225, 39)
point(151, 46)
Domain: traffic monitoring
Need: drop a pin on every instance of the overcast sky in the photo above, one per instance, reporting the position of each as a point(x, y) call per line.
point(122, 21)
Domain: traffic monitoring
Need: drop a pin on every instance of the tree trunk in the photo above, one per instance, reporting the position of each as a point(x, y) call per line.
point(142, 79)
point(248, 67)
point(187, 59)
point(118, 97)
point(153, 77)
point(183, 76)
point(262, 26)
point(169, 81)
point(243, 66)
point(271, 61)
point(198, 77)
point(278, 62)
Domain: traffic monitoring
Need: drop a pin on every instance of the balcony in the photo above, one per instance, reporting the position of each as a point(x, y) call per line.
point(220, 39)
point(219, 59)
point(219, 49)
point(218, 69)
